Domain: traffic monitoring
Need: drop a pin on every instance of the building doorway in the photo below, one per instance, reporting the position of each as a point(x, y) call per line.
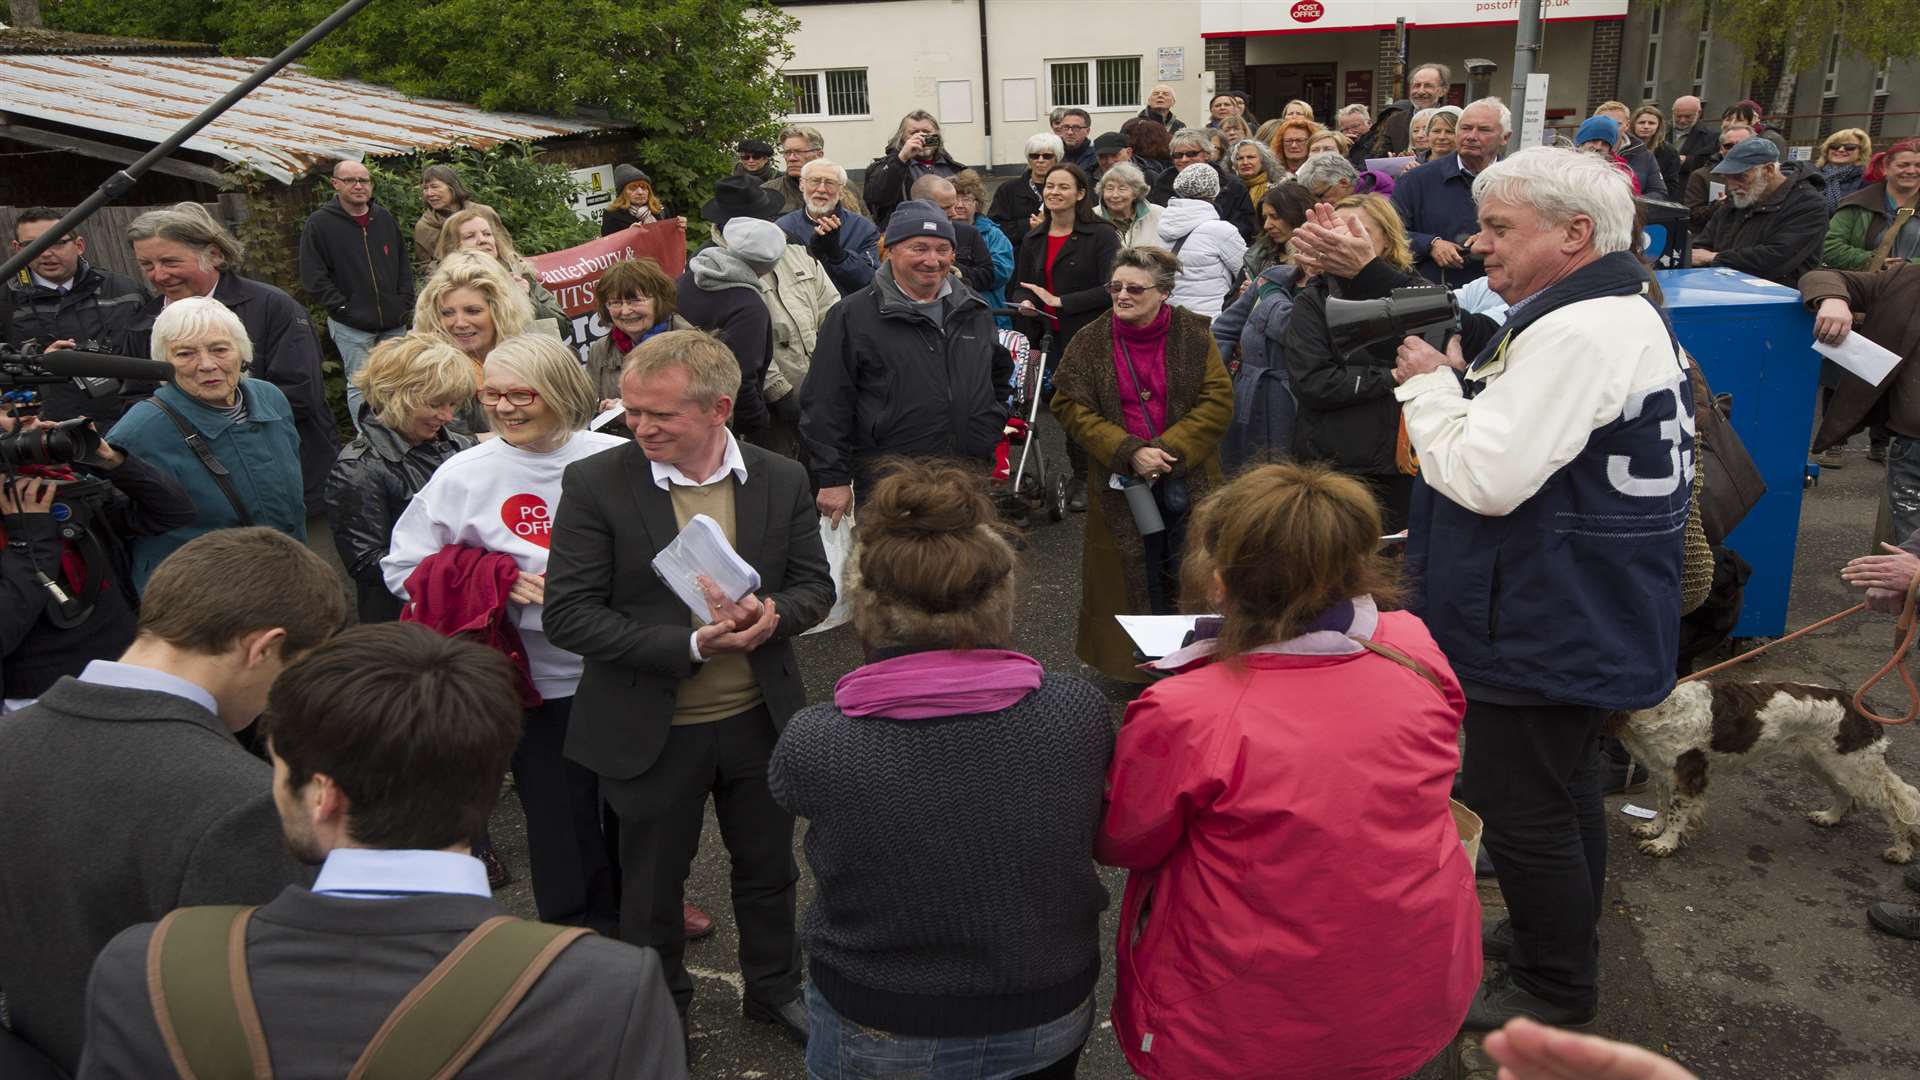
point(1273, 85)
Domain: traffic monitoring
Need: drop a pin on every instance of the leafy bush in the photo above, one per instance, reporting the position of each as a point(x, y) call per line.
point(531, 196)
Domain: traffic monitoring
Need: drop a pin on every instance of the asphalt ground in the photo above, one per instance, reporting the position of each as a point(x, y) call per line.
point(1745, 955)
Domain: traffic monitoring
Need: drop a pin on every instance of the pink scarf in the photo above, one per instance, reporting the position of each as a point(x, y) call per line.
point(946, 682)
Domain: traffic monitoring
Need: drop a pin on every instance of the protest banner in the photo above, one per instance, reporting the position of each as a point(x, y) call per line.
point(571, 273)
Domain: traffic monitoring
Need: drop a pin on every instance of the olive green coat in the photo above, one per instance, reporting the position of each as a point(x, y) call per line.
point(1086, 401)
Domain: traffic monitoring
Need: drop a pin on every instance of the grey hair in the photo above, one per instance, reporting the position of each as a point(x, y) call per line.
point(1559, 185)
point(818, 165)
point(1129, 174)
point(925, 187)
point(1353, 110)
point(1420, 118)
point(900, 133)
point(1065, 111)
point(1046, 140)
point(815, 140)
point(1451, 112)
point(1446, 73)
point(1500, 109)
point(195, 317)
point(189, 224)
point(1161, 265)
point(1326, 169)
point(1191, 139)
point(1268, 161)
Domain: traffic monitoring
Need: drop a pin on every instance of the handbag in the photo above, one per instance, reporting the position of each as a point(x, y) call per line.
point(1171, 493)
point(1733, 483)
point(1878, 259)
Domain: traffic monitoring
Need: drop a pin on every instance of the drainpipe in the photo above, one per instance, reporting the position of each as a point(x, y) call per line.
point(1526, 57)
point(986, 91)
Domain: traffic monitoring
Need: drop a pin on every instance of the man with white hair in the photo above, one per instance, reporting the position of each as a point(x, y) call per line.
point(1328, 177)
point(841, 239)
point(1436, 199)
point(1551, 501)
point(1160, 108)
point(1772, 223)
point(1693, 141)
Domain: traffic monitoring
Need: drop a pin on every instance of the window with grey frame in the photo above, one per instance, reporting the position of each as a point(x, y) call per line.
point(836, 92)
point(1108, 82)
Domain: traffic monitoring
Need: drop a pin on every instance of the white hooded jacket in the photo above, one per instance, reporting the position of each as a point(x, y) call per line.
point(1210, 253)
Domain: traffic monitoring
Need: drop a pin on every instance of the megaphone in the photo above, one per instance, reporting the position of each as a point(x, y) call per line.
point(1425, 311)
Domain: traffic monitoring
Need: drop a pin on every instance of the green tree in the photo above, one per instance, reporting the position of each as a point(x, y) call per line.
point(1801, 29)
point(693, 76)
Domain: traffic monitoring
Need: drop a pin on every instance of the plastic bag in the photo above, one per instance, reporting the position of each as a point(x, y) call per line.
point(839, 545)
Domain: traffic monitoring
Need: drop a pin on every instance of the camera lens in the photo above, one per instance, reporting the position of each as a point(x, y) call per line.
point(62, 444)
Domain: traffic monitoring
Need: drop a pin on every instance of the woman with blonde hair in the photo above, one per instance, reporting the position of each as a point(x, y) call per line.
point(1329, 142)
point(1649, 125)
point(1298, 110)
point(1281, 803)
point(472, 304)
point(976, 948)
point(411, 387)
point(500, 497)
point(1347, 416)
point(442, 195)
point(1843, 161)
point(635, 203)
point(1290, 142)
point(478, 228)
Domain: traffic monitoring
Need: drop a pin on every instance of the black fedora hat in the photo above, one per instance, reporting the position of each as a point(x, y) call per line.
point(741, 196)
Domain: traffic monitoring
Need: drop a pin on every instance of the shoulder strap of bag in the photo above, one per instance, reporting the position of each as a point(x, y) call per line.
point(202, 999)
point(1180, 243)
point(197, 443)
point(446, 1019)
point(1381, 648)
point(1879, 257)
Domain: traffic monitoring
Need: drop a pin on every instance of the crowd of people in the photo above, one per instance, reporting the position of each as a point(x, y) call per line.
point(836, 354)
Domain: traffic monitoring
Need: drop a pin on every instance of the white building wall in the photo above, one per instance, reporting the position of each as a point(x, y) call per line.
point(910, 47)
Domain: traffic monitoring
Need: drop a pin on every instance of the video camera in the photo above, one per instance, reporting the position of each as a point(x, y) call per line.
point(94, 369)
point(1423, 311)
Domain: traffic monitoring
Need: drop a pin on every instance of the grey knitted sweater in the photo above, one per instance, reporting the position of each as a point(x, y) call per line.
point(954, 859)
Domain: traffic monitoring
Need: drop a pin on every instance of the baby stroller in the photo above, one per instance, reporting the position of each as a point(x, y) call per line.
point(1022, 486)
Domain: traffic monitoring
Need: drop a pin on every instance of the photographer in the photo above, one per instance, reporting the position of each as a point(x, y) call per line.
point(63, 299)
point(64, 529)
point(914, 151)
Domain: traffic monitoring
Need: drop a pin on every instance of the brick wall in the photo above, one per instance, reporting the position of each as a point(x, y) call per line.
point(1389, 56)
point(1603, 66)
point(1227, 59)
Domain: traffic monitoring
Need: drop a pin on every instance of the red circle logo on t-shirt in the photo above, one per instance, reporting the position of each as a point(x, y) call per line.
point(529, 518)
point(1308, 11)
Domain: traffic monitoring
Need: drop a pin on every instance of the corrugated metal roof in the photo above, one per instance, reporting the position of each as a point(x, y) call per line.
point(36, 39)
point(292, 123)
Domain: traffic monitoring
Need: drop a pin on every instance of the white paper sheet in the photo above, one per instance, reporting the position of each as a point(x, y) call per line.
point(1860, 356)
point(1157, 635)
point(701, 549)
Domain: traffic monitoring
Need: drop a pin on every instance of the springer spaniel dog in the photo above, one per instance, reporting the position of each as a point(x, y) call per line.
point(1717, 725)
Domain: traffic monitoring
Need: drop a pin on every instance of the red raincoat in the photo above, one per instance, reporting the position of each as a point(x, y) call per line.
point(1300, 903)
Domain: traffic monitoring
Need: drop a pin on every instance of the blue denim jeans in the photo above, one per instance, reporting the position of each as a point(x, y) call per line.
point(839, 1049)
point(354, 345)
point(1903, 486)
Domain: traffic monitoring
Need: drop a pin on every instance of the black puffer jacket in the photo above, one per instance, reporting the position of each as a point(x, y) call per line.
point(1347, 415)
point(1233, 202)
point(886, 380)
point(367, 490)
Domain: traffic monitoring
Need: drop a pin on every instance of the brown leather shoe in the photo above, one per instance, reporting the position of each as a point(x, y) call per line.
point(698, 923)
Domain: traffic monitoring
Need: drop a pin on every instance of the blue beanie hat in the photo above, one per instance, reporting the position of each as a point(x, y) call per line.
point(1598, 128)
point(918, 217)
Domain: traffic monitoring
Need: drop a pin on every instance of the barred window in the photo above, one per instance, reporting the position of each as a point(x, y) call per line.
point(834, 93)
point(1105, 82)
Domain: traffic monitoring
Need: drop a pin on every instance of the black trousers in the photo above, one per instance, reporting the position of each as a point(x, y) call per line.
point(1532, 773)
point(1164, 551)
point(574, 873)
point(661, 813)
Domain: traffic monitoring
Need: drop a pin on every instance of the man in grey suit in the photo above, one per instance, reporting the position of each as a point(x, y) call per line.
point(123, 792)
point(676, 704)
point(388, 744)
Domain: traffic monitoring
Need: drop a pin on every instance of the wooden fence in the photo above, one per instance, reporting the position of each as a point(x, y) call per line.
point(106, 231)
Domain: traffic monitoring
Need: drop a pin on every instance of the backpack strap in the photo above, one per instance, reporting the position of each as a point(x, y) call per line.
point(197, 443)
point(205, 1009)
point(446, 1019)
point(1381, 648)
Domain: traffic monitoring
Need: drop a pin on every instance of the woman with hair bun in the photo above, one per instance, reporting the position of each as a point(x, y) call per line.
point(952, 790)
point(1282, 803)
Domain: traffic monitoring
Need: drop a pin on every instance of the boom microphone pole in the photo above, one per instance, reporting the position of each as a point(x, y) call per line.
point(118, 184)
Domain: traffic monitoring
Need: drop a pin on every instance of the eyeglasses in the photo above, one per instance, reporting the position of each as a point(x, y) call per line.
point(1039, 157)
point(1128, 287)
point(820, 182)
point(363, 182)
point(1073, 127)
point(520, 397)
point(806, 153)
point(1850, 148)
point(620, 304)
point(1186, 155)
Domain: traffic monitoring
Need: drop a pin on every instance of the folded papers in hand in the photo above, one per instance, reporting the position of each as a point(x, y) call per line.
point(701, 550)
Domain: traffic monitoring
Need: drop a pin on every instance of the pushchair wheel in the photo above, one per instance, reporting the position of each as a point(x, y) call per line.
point(1057, 499)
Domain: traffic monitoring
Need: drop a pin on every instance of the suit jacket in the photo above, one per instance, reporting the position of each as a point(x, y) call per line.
point(117, 806)
point(326, 970)
point(1696, 147)
point(605, 603)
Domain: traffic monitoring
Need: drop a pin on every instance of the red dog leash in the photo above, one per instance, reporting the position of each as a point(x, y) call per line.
point(1906, 630)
